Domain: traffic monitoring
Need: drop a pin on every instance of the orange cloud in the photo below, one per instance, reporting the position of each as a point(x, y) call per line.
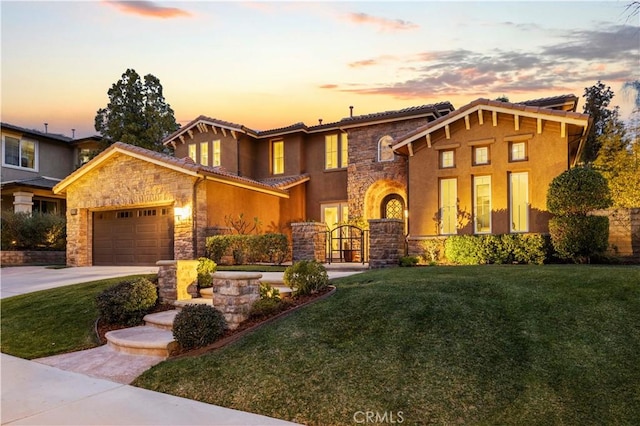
point(147, 8)
point(383, 23)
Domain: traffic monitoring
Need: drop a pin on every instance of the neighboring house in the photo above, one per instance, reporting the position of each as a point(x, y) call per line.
point(133, 206)
point(486, 168)
point(33, 162)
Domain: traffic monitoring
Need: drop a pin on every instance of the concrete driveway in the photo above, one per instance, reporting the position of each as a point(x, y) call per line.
point(27, 279)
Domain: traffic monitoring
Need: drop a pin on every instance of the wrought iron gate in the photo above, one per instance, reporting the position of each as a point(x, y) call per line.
point(347, 243)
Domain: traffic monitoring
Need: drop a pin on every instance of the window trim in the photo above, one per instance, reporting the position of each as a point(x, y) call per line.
point(475, 204)
point(217, 153)
point(441, 158)
point(277, 164)
point(527, 204)
point(526, 151)
point(202, 147)
point(441, 206)
point(474, 157)
point(341, 152)
point(388, 199)
point(36, 151)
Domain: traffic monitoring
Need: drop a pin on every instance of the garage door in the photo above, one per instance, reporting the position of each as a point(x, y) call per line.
point(132, 237)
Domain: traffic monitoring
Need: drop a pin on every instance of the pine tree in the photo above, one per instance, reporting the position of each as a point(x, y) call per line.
point(137, 113)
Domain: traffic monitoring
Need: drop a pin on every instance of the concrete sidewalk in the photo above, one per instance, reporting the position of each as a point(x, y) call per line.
point(36, 394)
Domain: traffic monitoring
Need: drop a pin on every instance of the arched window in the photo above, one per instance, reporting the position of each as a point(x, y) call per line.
point(385, 153)
point(392, 207)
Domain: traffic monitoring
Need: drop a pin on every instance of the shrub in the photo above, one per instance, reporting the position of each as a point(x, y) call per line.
point(269, 292)
point(267, 307)
point(306, 277)
point(206, 267)
point(571, 196)
point(199, 325)
point(273, 248)
point(578, 191)
point(578, 238)
point(463, 250)
point(33, 231)
point(432, 250)
point(127, 302)
point(217, 247)
point(407, 261)
point(506, 248)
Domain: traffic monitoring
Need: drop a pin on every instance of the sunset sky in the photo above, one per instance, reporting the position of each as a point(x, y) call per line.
point(268, 65)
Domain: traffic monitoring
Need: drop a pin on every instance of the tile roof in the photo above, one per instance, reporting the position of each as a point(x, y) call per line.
point(459, 113)
point(286, 182)
point(37, 133)
point(552, 101)
point(186, 164)
point(35, 182)
point(437, 110)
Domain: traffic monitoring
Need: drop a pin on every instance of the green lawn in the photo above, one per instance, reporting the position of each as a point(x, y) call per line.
point(51, 322)
point(555, 344)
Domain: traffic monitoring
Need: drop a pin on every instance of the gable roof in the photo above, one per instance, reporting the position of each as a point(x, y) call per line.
point(182, 165)
point(433, 110)
point(403, 144)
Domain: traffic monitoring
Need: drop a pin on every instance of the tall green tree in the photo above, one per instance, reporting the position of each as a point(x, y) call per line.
point(597, 99)
point(137, 113)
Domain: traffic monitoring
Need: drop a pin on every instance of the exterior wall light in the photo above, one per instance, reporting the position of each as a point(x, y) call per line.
point(181, 212)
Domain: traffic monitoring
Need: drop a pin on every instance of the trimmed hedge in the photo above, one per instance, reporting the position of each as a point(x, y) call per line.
point(267, 248)
point(500, 249)
point(578, 238)
point(306, 277)
point(127, 302)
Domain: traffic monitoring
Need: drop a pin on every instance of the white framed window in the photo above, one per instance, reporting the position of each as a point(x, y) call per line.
point(204, 153)
point(20, 153)
point(480, 155)
point(193, 152)
point(447, 159)
point(277, 157)
point(385, 153)
point(517, 151)
point(519, 202)
point(448, 206)
point(482, 204)
point(216, 153)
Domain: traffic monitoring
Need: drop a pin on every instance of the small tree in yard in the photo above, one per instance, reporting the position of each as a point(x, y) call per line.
point(575, 234)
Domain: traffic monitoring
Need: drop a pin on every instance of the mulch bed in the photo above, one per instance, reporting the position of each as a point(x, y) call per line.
point(230, 336)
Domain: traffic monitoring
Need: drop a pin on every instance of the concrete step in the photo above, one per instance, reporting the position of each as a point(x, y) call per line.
point(142, 340)
point(163, 320)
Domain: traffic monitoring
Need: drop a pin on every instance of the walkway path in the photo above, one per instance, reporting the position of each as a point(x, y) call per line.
point(91, 387)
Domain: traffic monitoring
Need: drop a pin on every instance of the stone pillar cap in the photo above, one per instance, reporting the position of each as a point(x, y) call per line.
point(239, 275)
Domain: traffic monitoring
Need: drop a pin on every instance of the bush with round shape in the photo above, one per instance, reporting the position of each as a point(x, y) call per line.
point(196, 326)
point(578, 238)
point(578, 191)
point(306, 277)
point(127, 302)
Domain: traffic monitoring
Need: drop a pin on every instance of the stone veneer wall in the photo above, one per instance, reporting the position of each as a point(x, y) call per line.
point(132, 183)
point(365, 169)
point(624, 233)
point(177, 280)
point(386, 242)
point(233, 295)
point(28, 257)
point(309, 241)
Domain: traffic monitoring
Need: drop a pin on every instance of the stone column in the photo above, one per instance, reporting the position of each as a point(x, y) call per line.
point(234, 293)
point(386, 242)
point(22, 202)
point(177, 279)
point(309, 241)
